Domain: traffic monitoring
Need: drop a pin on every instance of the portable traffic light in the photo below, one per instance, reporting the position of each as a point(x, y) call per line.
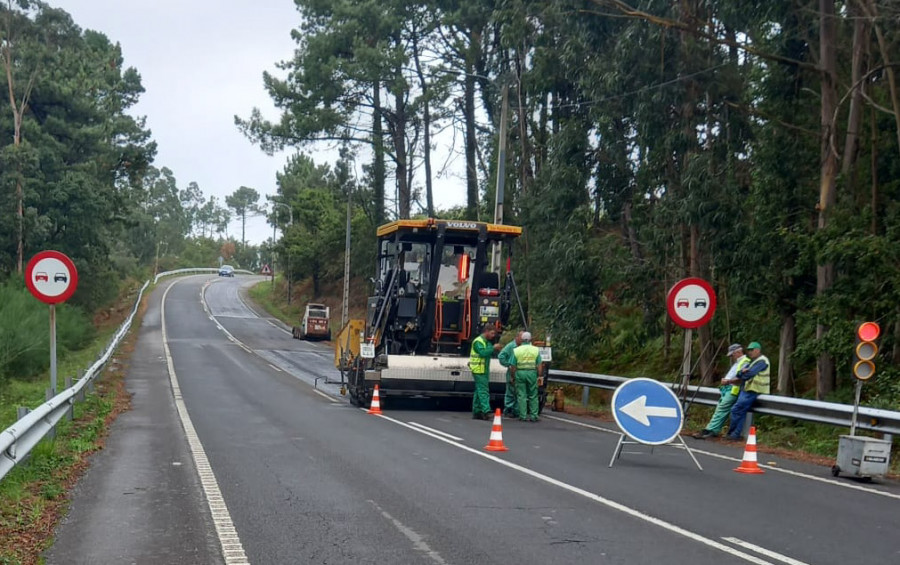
point(866, 349)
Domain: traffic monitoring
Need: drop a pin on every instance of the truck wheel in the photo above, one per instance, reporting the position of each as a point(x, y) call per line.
point(835, 470)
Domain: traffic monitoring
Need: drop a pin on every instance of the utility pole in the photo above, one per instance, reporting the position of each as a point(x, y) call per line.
point(274, 225)
point(501, 177)
point(345, 303)
point(283, 234)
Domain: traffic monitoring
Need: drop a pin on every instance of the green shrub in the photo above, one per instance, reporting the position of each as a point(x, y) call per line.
point(25, 331)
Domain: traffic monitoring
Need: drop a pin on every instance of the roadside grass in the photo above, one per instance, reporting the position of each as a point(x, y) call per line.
point(30, 391)
point(275, 301)
point(33, 495)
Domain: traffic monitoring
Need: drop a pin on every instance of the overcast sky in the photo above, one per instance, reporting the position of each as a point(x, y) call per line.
point(201, 63)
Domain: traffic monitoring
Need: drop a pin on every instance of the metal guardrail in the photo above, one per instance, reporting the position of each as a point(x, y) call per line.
point(197, 270)
point(17, 441)
point(832, 413)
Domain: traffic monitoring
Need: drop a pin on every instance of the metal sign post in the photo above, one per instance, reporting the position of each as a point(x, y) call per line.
point(52, 278)
point(53, 349)
point(649, 413)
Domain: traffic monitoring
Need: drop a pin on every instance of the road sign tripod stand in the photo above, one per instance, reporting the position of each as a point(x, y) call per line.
point(623, 441)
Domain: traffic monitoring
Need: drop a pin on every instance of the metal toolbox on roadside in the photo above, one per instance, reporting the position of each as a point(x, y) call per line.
point(865, 457)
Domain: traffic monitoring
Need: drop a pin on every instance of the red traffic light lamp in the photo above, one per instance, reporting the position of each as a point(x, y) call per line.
point(866, 349)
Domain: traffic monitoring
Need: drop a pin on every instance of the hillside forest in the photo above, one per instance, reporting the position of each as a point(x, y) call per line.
point(754, 144)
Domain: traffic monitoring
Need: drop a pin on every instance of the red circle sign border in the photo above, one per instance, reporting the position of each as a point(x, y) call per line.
point(673, 292)
point(73, 281)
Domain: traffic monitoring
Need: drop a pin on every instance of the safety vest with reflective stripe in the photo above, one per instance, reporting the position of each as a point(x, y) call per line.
point(741, 363)
point(527, 357)
point(759, 383)
point(477, 363)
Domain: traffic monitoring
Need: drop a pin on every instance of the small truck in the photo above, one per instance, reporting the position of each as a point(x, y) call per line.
point(314, 324)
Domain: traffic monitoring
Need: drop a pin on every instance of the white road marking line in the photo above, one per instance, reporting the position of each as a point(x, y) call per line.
point(763, 551)
point(577, 423)
point(417, 540)
point(738, 460)
point(328, 396)
point(232, 550)
point(591, 496)
point(445, 434)
point(279, 328)
point(276, 368)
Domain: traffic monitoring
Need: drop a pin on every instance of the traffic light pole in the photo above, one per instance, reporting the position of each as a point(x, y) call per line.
point(855, 407)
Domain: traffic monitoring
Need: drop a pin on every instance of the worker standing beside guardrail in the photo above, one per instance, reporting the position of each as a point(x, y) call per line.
point(730, 388)
point(756, 381)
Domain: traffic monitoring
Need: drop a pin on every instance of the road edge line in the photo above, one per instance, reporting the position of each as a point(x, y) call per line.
point(233, 550)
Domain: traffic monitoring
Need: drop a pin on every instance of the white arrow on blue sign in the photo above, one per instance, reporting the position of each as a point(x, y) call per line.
point(647, 411)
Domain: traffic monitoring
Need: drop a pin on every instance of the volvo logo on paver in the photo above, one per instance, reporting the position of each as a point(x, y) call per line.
point(463, 225)
point(647, 411)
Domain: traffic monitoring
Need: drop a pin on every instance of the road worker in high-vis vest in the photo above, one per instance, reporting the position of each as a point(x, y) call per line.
point(507, 360)
point(480, 365)
point(755, 377)
point(526, 366)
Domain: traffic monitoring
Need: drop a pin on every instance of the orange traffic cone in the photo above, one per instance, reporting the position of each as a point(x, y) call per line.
point(376, 403)
point(496, 442)
point(748, 464)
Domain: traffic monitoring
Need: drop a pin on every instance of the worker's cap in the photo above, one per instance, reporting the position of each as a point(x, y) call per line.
point(754, 345)
point(526, 336)
point(734, 347)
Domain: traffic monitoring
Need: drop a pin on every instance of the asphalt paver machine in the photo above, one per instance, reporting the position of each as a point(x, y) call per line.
point(433, 291)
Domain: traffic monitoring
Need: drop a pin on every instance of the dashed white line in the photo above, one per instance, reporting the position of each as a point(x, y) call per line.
point(439, 432)
point(276, 368)
point(592, 496)
point(737, 460)
point(763, 551)
point(232, 550)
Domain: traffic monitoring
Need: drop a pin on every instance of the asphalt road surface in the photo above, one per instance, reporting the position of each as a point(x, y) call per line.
point(240, 450)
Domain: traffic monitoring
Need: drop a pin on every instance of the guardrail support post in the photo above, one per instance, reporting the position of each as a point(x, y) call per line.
point(585, 395)
point(90, 386)
point(80, 396)
point(70, 413)
point(748, 421)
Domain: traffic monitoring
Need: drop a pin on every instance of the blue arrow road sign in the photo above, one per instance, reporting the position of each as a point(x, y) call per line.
point(647, 411)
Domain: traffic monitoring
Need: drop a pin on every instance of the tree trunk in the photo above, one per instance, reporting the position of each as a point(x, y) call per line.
point(704, 333)
point(786, 349)
point(426, 135)
point(851, 142)
point(825, 379)
point(872, 12)
point(378, 169)
point(471, 140)
point(398, 134)
point(526, 157)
